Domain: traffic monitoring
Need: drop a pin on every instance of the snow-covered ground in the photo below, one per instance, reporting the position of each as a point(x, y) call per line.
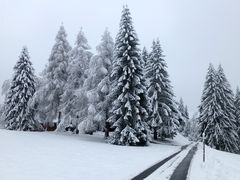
point(218, 165)
point(51, 156)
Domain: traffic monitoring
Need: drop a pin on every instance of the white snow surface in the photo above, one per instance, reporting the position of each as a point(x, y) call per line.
point(219, 165)
point(52, 156)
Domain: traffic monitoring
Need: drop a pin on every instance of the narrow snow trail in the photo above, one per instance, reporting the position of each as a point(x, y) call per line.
point(181, 172)
point(167, 169)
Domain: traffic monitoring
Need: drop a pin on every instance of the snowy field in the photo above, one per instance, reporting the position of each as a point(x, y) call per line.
point(218, 166)
point(51, 156)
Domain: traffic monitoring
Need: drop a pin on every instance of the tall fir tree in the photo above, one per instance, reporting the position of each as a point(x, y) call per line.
point(228, 135)
point(129, 108)
point(161, 96)
point(74, 100)
point(216, 120)
point(49, 95)
point(209, 109)
point(18, 116)
point(97, 86)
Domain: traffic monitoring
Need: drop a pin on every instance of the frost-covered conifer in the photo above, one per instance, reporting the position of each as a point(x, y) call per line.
point(228, 137)
point(74, 100)
point(129, 108)
point(216, 117)
point(163, 107)
point(17, 114)
point(97, 86)
point(55, 78)
point(209, 109)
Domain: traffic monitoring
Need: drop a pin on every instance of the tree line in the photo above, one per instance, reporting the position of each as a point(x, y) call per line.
point(120, 90)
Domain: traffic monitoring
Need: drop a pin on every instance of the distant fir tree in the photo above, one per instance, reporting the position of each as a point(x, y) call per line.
point(182, 115)
point(74, 100)
point(217, 120)
point(55, 75)
point(182, 108)
point(237, 110)
point(97, 86)
point(163, 107)
point(5, 89)
point(130, 103)
point(185, 127)
point(186, 112)
point(191, 128)
point(22, 88)
point(145, 56)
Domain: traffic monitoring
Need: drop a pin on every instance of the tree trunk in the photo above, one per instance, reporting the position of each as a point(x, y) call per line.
point(107, 127)
point(155, 133)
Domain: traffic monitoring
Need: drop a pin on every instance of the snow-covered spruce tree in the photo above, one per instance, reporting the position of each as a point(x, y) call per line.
point(74, 100)
point(129, 108)
point(237, 110)
point(209, 109)
point(17, 114)
point(55, 75)
point(97, 86)
point(228, 119)
point(163, 107)
point(214, 120)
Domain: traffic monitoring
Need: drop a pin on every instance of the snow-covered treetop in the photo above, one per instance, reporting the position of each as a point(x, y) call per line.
point(24, 65)
point(80, 54)
point(106, 45)
point(59, 57)
point(82, 41)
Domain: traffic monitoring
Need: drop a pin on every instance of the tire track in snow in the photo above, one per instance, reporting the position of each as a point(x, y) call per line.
point(153, 168)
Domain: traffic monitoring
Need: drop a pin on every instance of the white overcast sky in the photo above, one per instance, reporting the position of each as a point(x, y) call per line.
point(193, 33)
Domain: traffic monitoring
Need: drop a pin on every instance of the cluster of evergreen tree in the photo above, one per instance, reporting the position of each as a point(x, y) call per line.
point(119, 89)
point(219, 112)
